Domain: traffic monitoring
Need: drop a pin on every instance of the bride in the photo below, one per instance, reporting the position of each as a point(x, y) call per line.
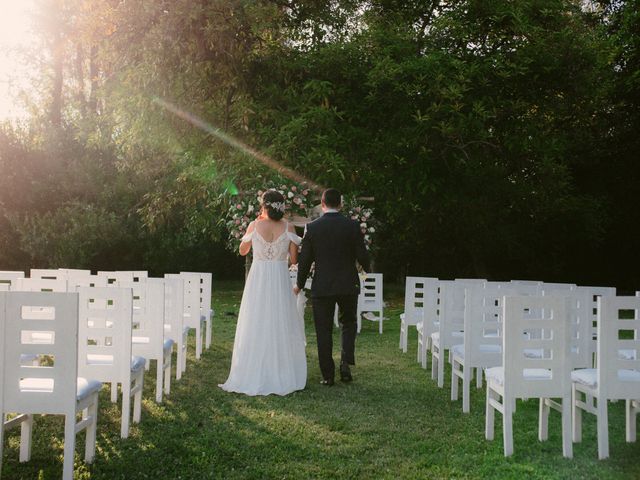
point(269, 348)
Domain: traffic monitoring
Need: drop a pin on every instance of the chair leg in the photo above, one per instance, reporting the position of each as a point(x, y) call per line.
point(543, 420)
point(69, 445)
point(576, 415)
point(198, 342)
point(489, 416)
point(126, 409)
point(209, 322)
point(137, 397)
point(114, 392)
point(507, 427)
point(466, 390)
point(178, 360)
point(167, 375)
point(630, 415)
point(90, 442)
point(440, 369)
point(159, 378)
point(434, 363)
point(380, 320)
point(26, 430)
point(603, 429)
point(567, 444)
point(402, 330)
point(1, 435)
point(454, 381)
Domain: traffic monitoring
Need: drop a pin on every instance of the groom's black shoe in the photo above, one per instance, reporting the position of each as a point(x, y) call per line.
point(345, 373)
point(328, 382)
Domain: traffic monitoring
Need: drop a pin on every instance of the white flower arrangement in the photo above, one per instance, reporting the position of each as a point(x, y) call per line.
point(363, 215)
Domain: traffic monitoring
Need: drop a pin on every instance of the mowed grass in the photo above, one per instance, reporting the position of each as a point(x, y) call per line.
point(391, 422)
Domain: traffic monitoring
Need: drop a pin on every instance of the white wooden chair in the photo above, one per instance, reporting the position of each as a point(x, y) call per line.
point(371, 299)
point(10, 278)
point(206, 311)
point(430, 319)
point(414, 298)
point(54, 389)
point(147, 335)
point(174, 328)
point(450, 325)
point(73, 274)
point(482, 345)
point(192, 318)
point(521, 376)
point(617, 375)
point(104, 351)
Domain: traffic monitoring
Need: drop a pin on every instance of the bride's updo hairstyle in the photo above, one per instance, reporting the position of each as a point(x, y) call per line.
point(273, 202)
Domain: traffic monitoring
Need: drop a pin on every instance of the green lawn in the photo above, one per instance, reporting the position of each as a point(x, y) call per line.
point(391, 422)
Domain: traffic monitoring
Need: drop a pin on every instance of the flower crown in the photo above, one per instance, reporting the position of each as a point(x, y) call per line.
point(279, 206)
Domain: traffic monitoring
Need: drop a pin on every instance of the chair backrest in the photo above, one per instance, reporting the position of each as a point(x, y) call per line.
point(191, 299)
point(554, 287)
point(546, 375)
point(205, 290)
point(451, 318)
point(594, 293)
point(173, 306)
point(618, 358)
point(140, 275)
point(4, 287)
point(40, 285)
point(73, 275)
point(113, 277)
point(148, 318)
point(483, 324)
point(414, 299)
point(49, 388)
point(104, 346)
point(580, 331)
point(370, 298)
point(529, 287)
point(10, 278)
point(85, 281)
point(47, 274)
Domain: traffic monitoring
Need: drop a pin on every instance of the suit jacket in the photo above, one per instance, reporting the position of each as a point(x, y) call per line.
point(334, 243)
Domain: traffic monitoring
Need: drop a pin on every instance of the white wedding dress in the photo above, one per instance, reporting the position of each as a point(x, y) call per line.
point(269, 349)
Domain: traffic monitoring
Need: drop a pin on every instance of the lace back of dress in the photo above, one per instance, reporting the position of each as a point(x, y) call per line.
point(276, 250)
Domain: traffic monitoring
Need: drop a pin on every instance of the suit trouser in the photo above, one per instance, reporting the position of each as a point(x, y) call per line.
point(323, 313)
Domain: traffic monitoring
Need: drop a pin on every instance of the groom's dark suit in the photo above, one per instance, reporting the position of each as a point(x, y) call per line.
point(334, 243)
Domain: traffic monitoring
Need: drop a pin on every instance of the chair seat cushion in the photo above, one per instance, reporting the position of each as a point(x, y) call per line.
point(84, 386)
point(167, 345)
point(458, 350)
point(497, 374)
point(589, 376)
point(137, 363)
point(87, 387)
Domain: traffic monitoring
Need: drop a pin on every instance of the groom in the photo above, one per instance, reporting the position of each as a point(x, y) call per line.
point(334, 243)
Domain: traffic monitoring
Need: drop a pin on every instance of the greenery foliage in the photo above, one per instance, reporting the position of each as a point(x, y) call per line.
point(498, 139)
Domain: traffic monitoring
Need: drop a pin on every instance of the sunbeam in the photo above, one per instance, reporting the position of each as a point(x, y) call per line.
point(235, 143)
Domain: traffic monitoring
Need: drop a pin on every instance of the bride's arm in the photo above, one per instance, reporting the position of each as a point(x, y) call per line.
point(293, 248)
point(245, 246)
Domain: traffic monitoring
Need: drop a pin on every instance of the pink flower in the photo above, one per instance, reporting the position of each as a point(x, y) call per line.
point(297, 201)
point(358, 209)
point(239, 206)
point(294, 188)
point(238, 222)
point(353, 217)
point(305, 192)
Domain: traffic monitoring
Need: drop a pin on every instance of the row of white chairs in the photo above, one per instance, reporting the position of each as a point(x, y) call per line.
point(121, 325)
point(470, 320)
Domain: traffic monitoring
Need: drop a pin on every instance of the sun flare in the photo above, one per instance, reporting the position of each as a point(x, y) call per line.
point(15, 34)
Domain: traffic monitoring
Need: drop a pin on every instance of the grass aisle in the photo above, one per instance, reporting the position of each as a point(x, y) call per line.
point(391, 422)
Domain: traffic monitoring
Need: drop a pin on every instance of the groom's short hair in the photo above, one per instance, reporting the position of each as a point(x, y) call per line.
point(332, 198)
